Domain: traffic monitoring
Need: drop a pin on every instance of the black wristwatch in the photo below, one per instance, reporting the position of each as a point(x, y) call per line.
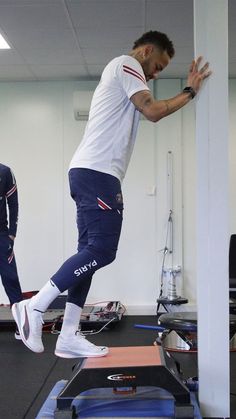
point(190, 90)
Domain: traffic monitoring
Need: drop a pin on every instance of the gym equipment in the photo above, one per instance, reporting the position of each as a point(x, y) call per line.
point(93, 316)
point(168, 294)
point(232, 274)
point(102, 315)
point(180, 331)
point(124, 370)
point(168, 289)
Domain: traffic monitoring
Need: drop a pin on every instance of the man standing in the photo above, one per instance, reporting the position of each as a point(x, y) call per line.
point(96, 172)
point(8, 227)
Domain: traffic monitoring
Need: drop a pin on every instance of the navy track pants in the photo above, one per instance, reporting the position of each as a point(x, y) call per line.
point(8, 270)
point(99, 204)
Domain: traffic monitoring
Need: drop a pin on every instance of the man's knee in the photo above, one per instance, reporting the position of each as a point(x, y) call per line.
point(110, 256)
point(105, 254)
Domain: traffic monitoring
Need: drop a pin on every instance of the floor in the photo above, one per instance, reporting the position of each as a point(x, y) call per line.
point(27, 378)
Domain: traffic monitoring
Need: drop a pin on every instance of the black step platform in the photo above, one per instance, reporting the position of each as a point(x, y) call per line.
point(129, 368)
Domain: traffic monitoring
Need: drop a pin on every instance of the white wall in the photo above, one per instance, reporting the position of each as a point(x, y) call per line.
point(38, 136)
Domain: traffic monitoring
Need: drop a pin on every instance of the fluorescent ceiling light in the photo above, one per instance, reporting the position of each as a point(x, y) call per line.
point(3, 43)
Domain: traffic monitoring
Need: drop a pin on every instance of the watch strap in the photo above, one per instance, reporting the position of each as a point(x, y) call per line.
point(190, 90)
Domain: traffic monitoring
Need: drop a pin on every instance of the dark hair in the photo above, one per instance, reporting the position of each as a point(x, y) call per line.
point(158, 39)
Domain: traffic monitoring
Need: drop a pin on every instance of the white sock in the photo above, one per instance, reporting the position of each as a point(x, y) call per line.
point(71, 320)
point(45, 297)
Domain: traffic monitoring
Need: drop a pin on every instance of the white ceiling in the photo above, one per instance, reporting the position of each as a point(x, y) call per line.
point(74, 39)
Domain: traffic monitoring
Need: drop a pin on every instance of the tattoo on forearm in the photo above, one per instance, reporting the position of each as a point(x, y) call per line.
point(167, 106)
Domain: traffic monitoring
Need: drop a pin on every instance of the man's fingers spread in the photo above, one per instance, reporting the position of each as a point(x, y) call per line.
point(192, 66)
point(204, 68)
point(199, 59)
point(207, 74)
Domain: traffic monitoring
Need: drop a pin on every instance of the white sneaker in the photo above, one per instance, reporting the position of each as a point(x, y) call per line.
point(78, 346)
point(29, 323)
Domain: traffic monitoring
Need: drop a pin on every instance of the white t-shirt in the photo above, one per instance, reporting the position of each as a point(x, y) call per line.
point(110, 133)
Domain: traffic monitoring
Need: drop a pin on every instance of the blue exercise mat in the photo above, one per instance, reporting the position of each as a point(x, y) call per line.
point(147, 402)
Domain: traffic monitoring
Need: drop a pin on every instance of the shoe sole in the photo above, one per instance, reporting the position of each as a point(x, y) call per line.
point(74, 355)
point(17, 336)
point(16, 315)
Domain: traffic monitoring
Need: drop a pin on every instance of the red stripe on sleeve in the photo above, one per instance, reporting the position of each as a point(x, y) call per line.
point(134, 72)
point(135, 75)
point(11, 191)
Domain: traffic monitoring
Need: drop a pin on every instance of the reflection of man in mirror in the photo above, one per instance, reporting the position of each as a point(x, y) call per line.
point(8, 227)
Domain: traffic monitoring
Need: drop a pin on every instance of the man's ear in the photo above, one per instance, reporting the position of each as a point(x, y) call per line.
point(148, 49)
